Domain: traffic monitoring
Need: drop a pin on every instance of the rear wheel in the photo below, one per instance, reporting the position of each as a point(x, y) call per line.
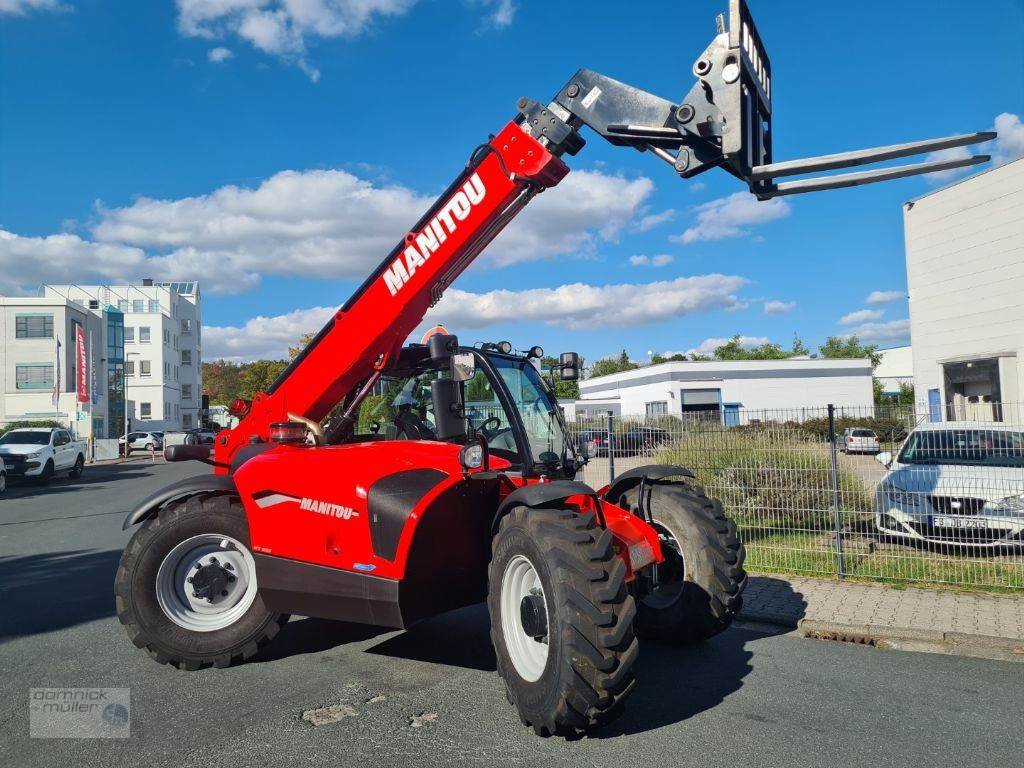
point(186, 587)
point(561, 620)
point(698, 590)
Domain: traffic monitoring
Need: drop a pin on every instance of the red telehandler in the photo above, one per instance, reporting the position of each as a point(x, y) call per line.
point(384, 484)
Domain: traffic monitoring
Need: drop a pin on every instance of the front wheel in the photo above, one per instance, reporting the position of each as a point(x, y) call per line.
point(78, 468)
point(698, 589)
point(186, 587)
point(561, 620)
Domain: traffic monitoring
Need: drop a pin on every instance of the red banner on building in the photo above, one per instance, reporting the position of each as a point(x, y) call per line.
point(82, 366)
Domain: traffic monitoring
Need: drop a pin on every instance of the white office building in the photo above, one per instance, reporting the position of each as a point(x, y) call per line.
point(733, 391)
point(895, 368)
point(39, 364)
point(162, 347)
point(965, 277)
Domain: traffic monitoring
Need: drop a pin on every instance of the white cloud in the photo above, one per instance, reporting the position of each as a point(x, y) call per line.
point(580, 306)
point(1007, 146)
point(776, 307)
point(575, 306)
point(317, 224)
point(660, 260)
point(708, 346)
point(880, 333)
point(649, 222)
point(283, 27)
point(262, 337)
point(26, 262)
point(22, 7)
point(884, 297)
point(861, 316)
point(219, 54)
point(731, 216)
point(499, 13)
point(953, 153)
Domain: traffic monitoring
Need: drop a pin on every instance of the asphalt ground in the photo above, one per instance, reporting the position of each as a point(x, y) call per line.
point(431, 697)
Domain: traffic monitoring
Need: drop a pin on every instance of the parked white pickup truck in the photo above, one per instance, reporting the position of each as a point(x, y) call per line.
point(41, 452)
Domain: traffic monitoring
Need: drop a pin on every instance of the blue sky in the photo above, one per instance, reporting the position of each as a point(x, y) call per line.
point(276, 149)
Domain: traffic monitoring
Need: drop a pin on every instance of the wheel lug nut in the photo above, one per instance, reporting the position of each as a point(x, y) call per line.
point(224, 593)
point(209, 599)
point(213, 561)
point(189, 579)
point(231, 578)
point(228, 566)
point(195, 594)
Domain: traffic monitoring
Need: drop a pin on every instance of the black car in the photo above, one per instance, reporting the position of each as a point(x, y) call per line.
point(629, 442)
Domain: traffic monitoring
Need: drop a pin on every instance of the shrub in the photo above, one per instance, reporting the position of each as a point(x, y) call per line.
point(45, 423)
point(768, 478)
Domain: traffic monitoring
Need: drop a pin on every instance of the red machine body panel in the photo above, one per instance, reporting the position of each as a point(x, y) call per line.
point(312, 504)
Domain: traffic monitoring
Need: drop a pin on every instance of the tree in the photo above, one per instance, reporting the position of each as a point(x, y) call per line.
point(734, 350)
point(303, 342)
point(565, 390)
point(850, 347)
point(259, 375)
point(674, 358)
point(221, 381)
point(613, 365)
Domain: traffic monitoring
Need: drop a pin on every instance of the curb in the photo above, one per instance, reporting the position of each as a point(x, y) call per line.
point(929, 640)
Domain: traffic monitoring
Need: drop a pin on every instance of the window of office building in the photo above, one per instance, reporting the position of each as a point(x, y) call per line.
point(186, 357)
point(145, 368)
point(154, 305)
point(186, 420)
point(129, 367)
point(186, 326)
point(122, 305)
point(34, 376)
point(657, 409)
point(186, 391)
point(167, 370)
point(38, 326)
point(144, 334)
point(145, 410)
point(138, 305)
point(129, 335)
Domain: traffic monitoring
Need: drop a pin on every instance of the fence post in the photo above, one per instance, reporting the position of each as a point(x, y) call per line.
point(836, 513)
point(611, 448)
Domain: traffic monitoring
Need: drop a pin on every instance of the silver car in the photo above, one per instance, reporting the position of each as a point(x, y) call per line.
point(955, 483)
point(859, 440)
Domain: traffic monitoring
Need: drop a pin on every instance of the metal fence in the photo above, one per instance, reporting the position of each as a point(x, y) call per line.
point(809, 493)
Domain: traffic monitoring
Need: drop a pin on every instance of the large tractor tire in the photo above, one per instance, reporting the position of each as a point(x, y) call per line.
point(698, 590)
point(186, 586)
point(561, 620)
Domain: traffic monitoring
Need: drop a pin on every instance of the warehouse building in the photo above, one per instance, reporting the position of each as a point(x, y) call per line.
point(731, 391)
point(965, 275)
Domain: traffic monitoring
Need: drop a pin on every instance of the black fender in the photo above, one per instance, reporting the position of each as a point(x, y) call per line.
point(542, 495)
point(649, 472)
point(190, 486)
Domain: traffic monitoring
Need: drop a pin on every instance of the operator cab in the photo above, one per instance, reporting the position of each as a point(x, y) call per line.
point(486, 395)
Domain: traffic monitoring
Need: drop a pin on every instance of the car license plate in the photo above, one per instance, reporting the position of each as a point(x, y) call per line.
point(942, 521)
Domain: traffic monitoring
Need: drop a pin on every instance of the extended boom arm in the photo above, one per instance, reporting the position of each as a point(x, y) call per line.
point(724, 121)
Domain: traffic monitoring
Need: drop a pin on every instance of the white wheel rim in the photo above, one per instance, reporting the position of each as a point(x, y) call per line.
point(174, 591)
point(529, 656)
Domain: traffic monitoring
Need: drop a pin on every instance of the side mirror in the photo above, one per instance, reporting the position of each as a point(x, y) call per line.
point(884, 458)
point(569, 366)
point(442, 346)
point(589, 449)
point(449, 418)
point(463, 366)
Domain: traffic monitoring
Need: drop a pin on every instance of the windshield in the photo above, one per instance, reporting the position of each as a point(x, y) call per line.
point(26, 438)
point(537, 408)
point(964, 447)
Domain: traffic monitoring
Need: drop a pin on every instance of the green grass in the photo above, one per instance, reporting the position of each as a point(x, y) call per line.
point(813, 554)
point(777, 486)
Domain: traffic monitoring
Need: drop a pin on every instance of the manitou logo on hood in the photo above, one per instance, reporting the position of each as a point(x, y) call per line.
point(272, 499)
point(436, 232)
